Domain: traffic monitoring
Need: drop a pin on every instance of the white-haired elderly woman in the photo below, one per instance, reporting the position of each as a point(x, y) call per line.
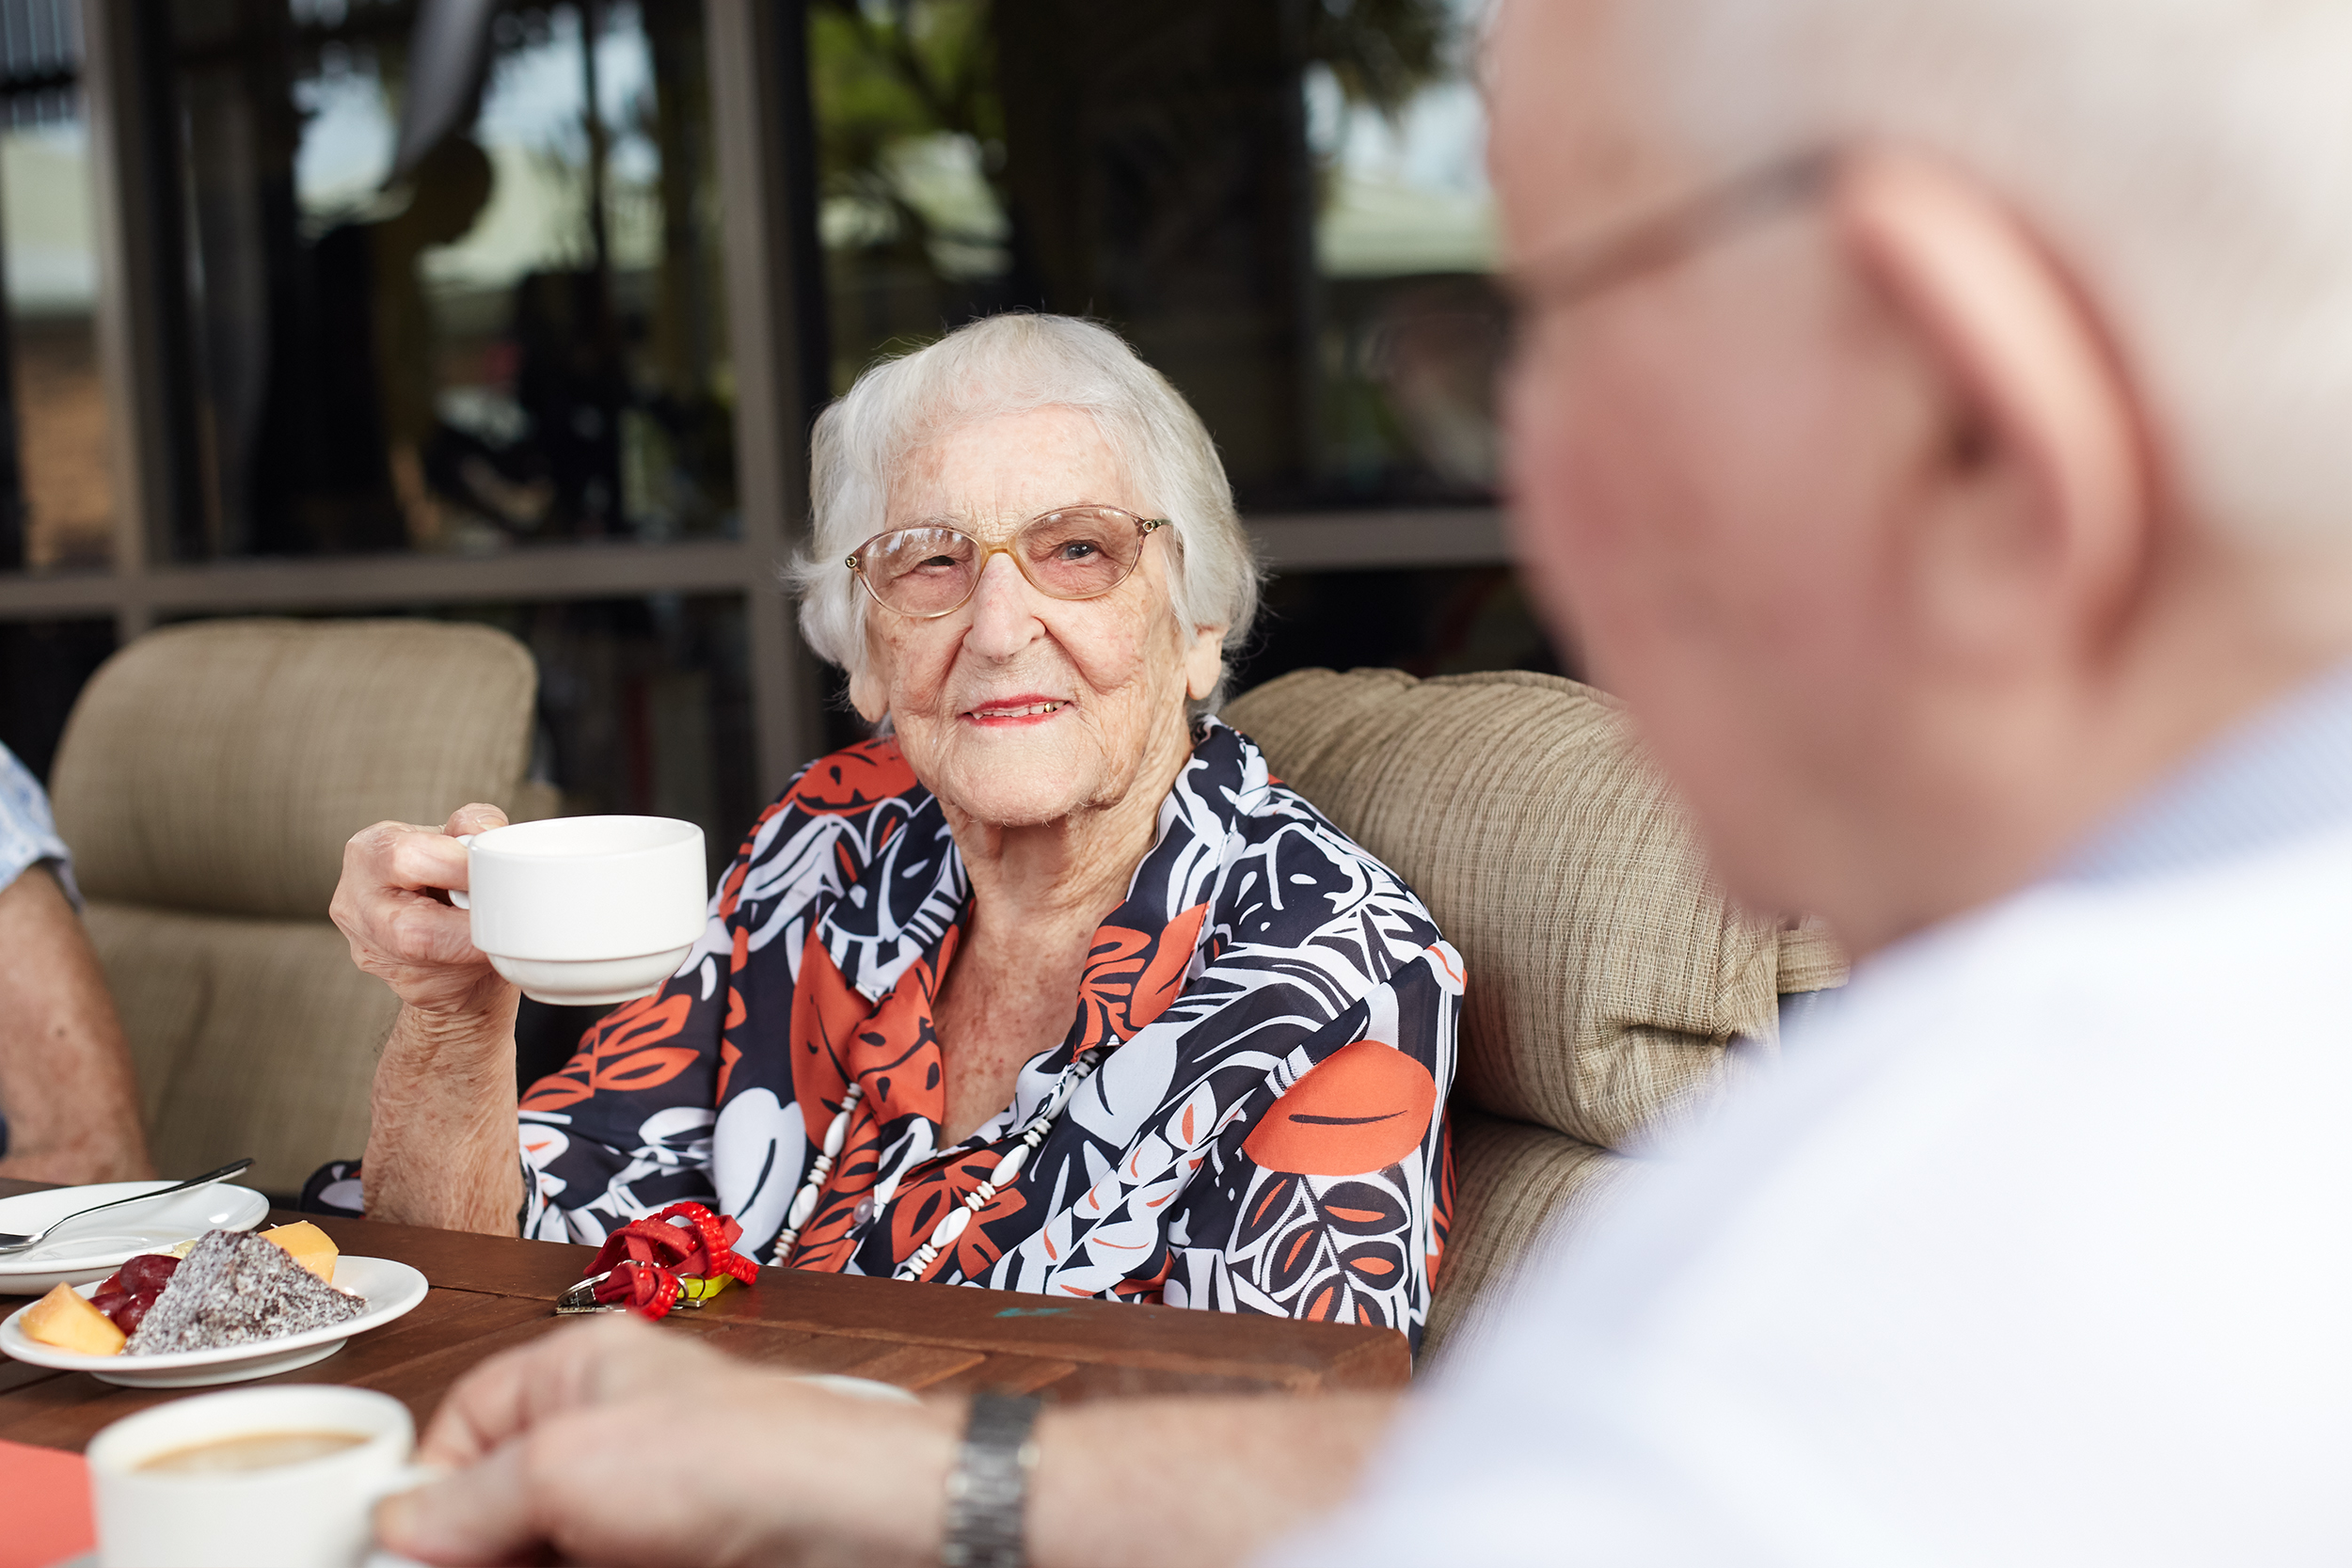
point(1050, 987)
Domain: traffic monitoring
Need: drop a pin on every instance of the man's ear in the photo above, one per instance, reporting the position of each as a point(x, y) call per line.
point(1204, 661)
point(2042, 499)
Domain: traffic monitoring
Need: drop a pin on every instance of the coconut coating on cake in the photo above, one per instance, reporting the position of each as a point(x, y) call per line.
point(235, 1289)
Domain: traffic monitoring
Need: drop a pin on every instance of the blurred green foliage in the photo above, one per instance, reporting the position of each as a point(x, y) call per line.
point(888, 72)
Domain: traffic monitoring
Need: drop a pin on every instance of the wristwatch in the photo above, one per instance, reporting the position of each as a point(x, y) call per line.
point(990, 1484)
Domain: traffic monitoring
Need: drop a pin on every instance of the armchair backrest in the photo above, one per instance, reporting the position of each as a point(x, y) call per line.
point(1609, 976)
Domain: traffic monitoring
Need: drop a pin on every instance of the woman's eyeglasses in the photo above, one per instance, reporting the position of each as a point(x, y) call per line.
point(1076, 553)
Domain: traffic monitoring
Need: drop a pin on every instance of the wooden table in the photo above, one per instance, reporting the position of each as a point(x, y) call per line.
point(492, 1293)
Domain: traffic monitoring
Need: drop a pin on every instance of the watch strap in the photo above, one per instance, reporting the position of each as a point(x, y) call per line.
point(988, 1489)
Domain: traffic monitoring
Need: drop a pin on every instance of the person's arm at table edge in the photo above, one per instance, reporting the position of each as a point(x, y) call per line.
point(66, 1082)
point(441, 1139)
point(776, 1469)
point(1185, 1481)
point(442, 1148)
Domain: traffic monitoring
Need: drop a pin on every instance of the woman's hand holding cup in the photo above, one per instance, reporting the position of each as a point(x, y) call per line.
point(392, 905)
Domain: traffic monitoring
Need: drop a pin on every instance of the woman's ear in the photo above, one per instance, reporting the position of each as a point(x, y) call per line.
point(869, 685)
point(869, 696)
point(1204, 661)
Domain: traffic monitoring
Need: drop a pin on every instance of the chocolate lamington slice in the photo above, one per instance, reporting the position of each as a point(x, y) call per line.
point(235, 1289)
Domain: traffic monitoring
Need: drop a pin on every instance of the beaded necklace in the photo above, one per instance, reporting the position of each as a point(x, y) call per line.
point(1008, 1168)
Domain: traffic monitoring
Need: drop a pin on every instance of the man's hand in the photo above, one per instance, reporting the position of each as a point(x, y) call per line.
point(392, 905)
point(626, 1445)
point(637, 1447)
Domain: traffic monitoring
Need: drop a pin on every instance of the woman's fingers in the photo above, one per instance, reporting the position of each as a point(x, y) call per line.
point(475, 819)
point(392, 904)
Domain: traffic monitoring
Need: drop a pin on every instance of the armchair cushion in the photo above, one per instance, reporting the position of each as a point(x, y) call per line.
point(1608, 973)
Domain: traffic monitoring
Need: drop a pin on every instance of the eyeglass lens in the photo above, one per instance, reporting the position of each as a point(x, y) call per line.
point(1074, 554)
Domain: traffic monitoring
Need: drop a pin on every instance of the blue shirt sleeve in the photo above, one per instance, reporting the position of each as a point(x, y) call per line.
point(28, 835)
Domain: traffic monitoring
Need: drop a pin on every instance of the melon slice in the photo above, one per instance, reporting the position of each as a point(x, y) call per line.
point(311, 1247)
point(65, 1321)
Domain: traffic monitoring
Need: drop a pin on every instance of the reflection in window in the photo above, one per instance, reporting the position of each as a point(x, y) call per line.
point(494, 322)
point(1413, 331)
point(1282, 207)
point(57, 482)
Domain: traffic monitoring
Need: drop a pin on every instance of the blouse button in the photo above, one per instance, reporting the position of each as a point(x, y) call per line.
point(863, 1212)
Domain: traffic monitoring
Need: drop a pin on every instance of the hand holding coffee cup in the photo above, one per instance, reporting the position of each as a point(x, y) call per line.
point(574, 910)
point(585, 910)
point(259, 1478)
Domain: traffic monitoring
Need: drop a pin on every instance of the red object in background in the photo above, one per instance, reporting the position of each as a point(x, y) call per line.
point(48, 1516)
point(646, 1258)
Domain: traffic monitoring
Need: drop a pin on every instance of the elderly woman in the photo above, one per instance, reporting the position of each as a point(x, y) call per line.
point(1050, 987)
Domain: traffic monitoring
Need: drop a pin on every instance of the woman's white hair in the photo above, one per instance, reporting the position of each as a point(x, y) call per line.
point(2190, 161)
point(1011, 364)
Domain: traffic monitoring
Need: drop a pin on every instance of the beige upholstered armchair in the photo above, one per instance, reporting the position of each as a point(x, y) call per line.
point(206, 783)
point(1608, 976)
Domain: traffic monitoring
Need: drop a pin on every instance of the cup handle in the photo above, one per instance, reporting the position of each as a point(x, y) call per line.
point(407, 1479)
point(457, 894)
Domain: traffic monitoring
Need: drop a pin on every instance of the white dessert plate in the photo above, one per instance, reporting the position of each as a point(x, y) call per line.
point(392, 1290)
point(89, 1250)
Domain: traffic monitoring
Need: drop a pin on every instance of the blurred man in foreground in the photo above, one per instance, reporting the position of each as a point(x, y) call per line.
point(1932, 419)
point(68, 1107)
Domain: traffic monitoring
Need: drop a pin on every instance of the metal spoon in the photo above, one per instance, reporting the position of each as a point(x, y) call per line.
point(10, 1242)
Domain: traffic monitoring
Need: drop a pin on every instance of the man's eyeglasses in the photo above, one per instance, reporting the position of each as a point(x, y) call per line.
point(1074, 552)
point(1711, 215)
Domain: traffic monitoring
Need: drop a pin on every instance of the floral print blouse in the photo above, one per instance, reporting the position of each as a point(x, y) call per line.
point(1264, 1039)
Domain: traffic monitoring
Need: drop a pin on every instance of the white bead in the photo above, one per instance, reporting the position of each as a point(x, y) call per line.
point(836, 1135)
point(1008, 1169)
point(804, 1205)
point(949, 1228)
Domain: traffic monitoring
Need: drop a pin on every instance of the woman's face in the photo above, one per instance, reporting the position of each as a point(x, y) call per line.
point(1018, 709)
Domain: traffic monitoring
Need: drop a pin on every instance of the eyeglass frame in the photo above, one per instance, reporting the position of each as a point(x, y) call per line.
point(1145, 528)
point(1666, 236)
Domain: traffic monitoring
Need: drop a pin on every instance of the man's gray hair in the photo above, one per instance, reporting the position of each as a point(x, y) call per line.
point(2189, 161)
point(1011, 364)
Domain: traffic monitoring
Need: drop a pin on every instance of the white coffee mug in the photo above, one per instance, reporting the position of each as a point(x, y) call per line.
point(312, 1514)
point(586, 910)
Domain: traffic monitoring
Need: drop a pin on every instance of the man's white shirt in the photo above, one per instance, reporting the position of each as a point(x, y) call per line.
point(2038, 1250)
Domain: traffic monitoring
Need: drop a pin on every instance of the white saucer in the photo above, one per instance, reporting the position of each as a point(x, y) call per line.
point(392, 1290)
point(858, 1387)
point(89, 1250)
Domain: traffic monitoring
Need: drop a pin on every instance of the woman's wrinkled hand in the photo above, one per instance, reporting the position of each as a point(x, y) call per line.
point(392, 904)
point(618, 1443)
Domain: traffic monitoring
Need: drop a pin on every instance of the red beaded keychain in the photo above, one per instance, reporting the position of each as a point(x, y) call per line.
point(649, 1265)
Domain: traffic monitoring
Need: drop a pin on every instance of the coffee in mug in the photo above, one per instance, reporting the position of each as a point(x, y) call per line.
point(582, 910)
point(256, 1478)
point(255, 1451)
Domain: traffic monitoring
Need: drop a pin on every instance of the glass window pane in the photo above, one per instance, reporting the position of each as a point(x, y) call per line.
point(1412, 325)
point(43, 666)
point(1283, 208)
point(509, 333)
point(62, 487)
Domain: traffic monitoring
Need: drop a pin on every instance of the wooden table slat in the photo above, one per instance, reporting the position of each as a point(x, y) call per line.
point(491, 1294)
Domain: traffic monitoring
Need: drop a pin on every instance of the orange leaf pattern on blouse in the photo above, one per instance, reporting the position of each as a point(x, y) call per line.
point(1264, 1134)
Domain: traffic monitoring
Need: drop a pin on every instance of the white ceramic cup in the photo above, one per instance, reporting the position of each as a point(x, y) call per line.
point(582, 910)
point(312, 1513)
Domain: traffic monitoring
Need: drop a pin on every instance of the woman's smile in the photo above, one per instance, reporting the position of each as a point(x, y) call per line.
point(1006, 712)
